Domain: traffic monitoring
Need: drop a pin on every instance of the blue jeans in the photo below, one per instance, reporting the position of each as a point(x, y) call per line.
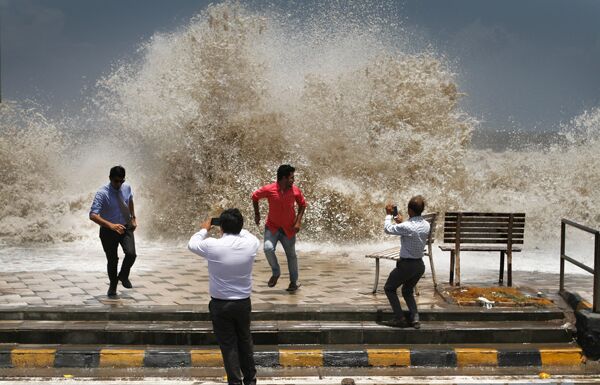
point(289, 246)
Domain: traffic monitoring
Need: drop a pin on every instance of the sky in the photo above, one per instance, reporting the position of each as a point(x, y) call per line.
point(524, 64)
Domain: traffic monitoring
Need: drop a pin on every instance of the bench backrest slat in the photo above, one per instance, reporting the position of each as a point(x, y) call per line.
point(491, 228)
point(484, 241)
point(467, 214)
point(431, 218)
point(485, 226)
point(483, 235)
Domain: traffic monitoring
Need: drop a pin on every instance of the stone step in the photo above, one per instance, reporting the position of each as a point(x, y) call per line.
point(263, 312)
point(443, 356)
point(283, 332)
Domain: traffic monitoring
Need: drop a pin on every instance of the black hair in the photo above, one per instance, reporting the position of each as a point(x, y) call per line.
point(284, 170)
point(417, 204)
point(232, 221)
point(117, 171)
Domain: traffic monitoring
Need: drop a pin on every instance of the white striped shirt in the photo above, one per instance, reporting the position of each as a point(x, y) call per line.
point(413, 235)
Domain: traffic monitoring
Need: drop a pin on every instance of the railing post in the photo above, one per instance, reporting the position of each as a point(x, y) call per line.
point(596, 307)
point(562, 256)
point(595, 270)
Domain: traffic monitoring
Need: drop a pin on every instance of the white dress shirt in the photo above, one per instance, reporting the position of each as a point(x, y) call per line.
point(413, 235)
point(230, 260)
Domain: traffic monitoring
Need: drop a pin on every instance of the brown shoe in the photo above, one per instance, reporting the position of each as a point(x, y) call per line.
point(273, 280)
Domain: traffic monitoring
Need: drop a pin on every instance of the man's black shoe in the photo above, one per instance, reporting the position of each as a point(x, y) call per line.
point(396, 323)
point(273, 280)
point(416, 325)
point(126, 283)
point(112, 292)
point(293, 287)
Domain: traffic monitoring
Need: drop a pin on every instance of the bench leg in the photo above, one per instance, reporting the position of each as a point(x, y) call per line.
point(509, 267)
point(451, 267)
point(501, 279)
point(376, 275)
point(457, 274)
point(432, 268)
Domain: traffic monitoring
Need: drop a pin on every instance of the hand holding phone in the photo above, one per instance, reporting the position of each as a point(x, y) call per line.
point(215, 221)
point(394, 211)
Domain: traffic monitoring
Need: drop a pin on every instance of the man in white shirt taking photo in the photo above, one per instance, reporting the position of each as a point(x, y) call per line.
point(230, 261)
point(410, 267)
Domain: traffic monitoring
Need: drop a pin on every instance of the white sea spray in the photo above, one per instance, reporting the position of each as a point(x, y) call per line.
point(204, 115)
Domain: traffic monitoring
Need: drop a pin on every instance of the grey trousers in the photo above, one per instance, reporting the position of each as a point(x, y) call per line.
point(406, 274)
point(231, 324)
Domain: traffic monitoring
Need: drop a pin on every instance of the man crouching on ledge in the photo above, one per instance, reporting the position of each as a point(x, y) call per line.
point(410, 267)
point(230, 260)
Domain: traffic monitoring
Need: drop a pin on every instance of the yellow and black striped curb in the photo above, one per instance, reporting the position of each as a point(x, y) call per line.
point(73, 357)
point(575, 301)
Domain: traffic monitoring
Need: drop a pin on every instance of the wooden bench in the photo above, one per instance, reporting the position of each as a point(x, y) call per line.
point(394, 252)
point(475, 231)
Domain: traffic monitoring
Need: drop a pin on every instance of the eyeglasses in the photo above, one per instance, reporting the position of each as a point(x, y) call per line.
point(119, 181)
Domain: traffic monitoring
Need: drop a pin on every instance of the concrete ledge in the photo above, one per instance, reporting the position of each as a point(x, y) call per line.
point(301, 357)
point(266, 313)
point(160, 357)
point(476, 357)
point(587, 323)
point(32, 358)
point(588, 332)
point(122, 358)
point(522, 357)
point(77, 358)
point(281, 333)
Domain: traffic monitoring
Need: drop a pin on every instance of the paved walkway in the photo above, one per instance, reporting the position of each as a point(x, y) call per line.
point(173, 276)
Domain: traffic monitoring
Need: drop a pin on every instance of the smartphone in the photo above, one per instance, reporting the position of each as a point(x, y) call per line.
point(395, 211)
point(215, 221)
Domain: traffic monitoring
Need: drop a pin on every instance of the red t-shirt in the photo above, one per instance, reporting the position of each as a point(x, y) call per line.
point(282, 212)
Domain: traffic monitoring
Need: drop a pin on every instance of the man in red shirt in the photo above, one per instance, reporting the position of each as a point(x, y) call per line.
point(282, 222)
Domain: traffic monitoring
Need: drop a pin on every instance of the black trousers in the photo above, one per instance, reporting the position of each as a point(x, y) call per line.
point(110, 243)
point(231, 324)
point(406, 274)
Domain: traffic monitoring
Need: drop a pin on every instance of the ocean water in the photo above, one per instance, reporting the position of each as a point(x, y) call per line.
point(202, 116)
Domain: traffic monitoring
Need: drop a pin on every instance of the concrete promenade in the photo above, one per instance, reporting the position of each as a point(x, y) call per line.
point(171, 279)
point(174, 276)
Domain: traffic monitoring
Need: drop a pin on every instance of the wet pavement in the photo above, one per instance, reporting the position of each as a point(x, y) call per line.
point(174, 276)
